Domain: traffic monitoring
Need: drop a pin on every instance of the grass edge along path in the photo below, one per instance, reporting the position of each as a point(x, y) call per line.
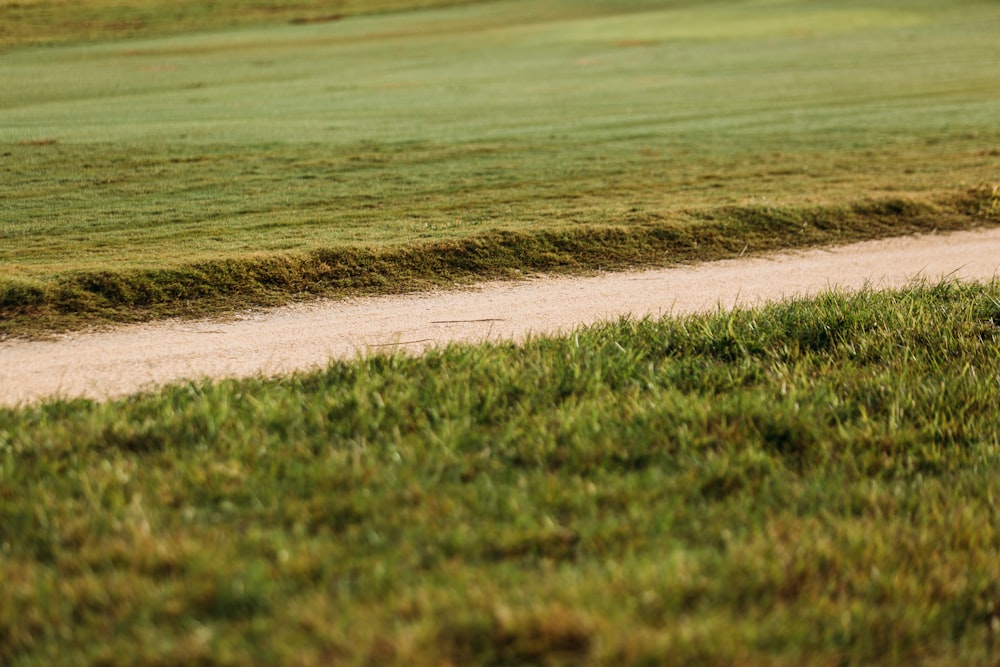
point(73, 301)
point(809, 483)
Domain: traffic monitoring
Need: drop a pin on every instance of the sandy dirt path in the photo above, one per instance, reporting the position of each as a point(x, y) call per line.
point(304, 336)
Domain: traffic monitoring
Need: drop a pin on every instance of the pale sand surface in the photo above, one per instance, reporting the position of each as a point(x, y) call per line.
point(301, 337)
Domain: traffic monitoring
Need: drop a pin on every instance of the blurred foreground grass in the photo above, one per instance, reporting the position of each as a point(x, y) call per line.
point(813, 483)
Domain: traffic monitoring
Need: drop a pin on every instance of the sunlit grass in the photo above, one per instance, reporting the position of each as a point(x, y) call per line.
point(811, 483)
point(276, 141)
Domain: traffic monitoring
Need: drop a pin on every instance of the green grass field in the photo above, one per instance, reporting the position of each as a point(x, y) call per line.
point(253, 164)
point(812, 483)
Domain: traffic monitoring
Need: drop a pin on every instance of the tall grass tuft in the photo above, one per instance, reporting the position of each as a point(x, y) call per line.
point(88, 297)
point(812, 482)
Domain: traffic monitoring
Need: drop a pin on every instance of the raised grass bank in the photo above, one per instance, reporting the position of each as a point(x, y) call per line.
point(188, 162)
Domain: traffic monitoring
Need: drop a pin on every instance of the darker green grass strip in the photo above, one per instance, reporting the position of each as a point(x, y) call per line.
point(47, 22)
point(214, 287)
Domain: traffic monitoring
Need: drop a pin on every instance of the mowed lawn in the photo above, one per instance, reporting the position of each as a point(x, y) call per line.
point(376, 132)
point(811, 483)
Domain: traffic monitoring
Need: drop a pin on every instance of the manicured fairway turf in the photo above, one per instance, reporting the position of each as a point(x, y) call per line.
point(811, 484)
point(251, 152)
